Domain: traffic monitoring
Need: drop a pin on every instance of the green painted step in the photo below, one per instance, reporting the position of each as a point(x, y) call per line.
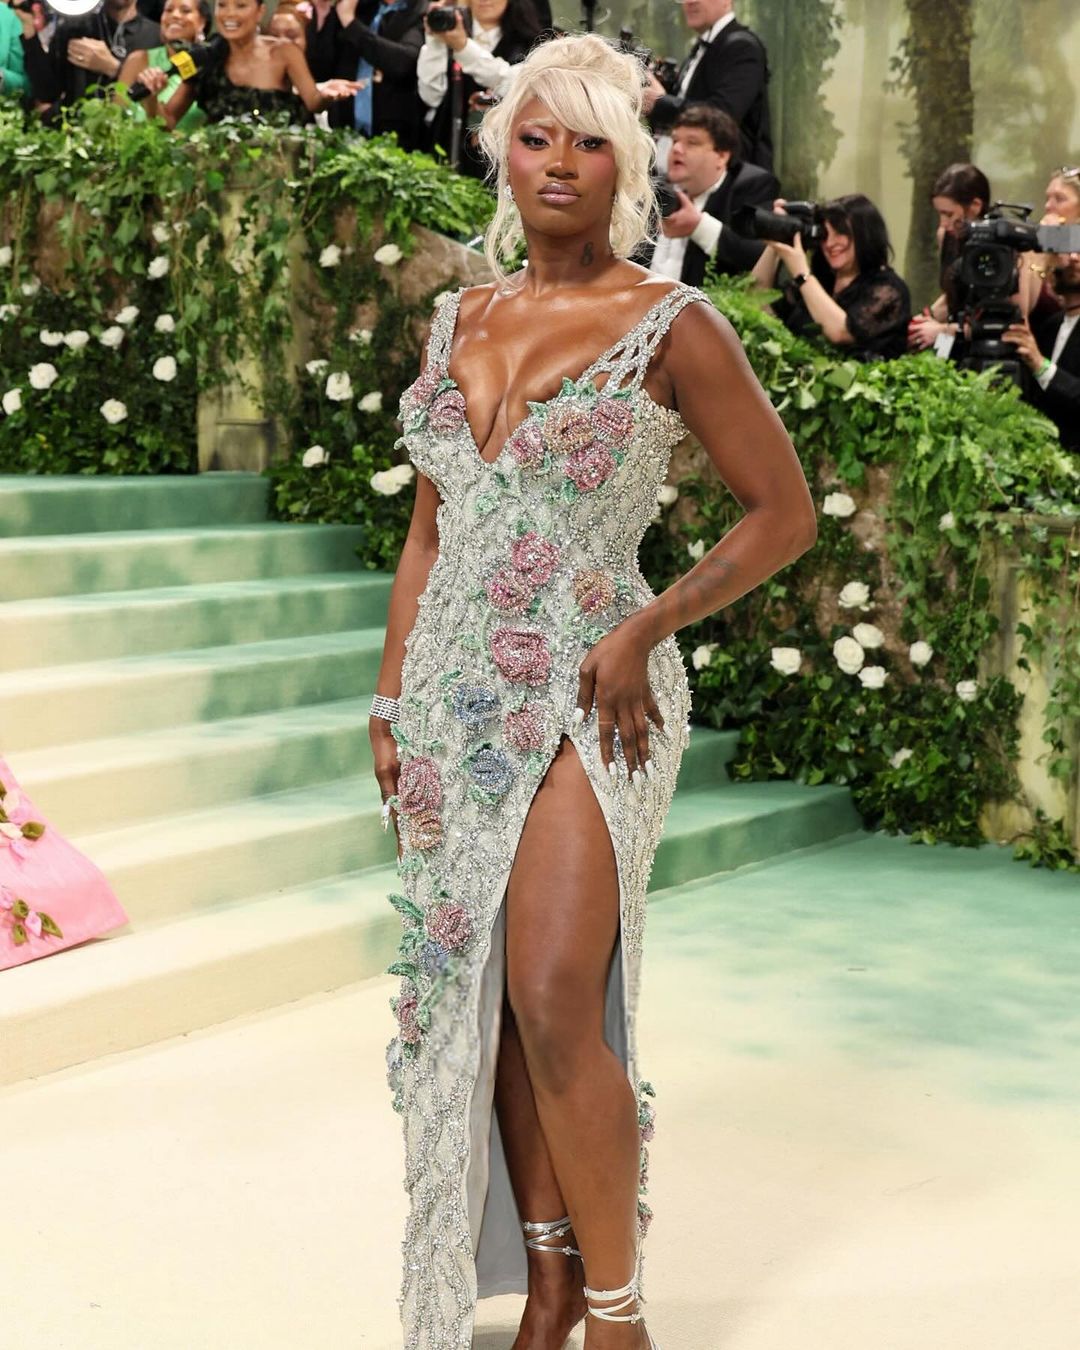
point(67, 704)
point(73, 505)
point(77, 564)
point(117, 623)
point(705, 759)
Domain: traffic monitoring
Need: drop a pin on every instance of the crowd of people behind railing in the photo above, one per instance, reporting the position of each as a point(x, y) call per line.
point(425, 70)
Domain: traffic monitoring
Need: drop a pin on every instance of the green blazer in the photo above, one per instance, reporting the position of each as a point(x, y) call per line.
point(12, 71)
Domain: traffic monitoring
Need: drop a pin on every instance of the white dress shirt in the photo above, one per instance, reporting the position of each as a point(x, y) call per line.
point(670, 254)
point(1065, 332)
point(476, 59)
point(710, 36)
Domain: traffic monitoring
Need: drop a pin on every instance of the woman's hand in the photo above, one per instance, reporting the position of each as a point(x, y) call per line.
point(387, 767)
point(93, 54)
point(154, 79)
point(793, 256)
point(923, 331)
point(457, 36)
point(615, 677)
point(335, 89)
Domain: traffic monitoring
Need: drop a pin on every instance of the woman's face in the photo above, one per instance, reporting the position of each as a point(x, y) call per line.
point(488, 13)
point(237, 19)
point(953, 216)
point(285, 24)
point(1063, 200)
point(563, 181)
point(839, 249)
point(181, 21)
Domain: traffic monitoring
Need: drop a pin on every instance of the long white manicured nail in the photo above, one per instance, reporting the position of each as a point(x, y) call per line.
point(613, 770)
point(579, 716)
point(650, 770)
point(638, 778)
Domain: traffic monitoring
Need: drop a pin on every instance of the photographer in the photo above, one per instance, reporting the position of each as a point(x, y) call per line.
point(960, 195)
point(849, 291)
point(86, 54)
point(1050, 348)
point(711, 186)
point(12, 67)
point(499, 37)
point(385, 40)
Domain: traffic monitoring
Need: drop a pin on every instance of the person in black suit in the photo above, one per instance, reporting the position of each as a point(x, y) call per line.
point(711, 185)
point(1050, 348)
point(385, 39)
point(727, 67)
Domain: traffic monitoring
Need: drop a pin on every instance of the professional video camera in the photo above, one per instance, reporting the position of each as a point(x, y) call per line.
point(664, 68)
point(805, 218)
point(188, 59)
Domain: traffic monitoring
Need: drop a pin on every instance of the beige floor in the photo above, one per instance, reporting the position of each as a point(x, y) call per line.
point(239, 1189)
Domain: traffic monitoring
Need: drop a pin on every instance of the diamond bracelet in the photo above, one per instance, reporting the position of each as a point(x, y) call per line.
point(389, 709)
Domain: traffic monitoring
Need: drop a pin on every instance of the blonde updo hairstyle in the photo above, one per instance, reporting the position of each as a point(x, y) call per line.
point(593, 88)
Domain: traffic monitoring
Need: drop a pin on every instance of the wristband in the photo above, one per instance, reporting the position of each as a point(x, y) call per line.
point(801, 280)
point(1046, 366)
point(389, 709)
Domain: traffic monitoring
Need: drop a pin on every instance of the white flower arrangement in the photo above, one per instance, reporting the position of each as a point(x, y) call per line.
point(362, 335)
point(112, 336)
point(786, 660)
point(113, 411)
point(947, 521)
point(43, 375)
point(128, 315)
point(855, 595)
point(389, 482)
point(920, 653)
point(314, 455)
point(339, 386)
point(696, 549)
point(8, 311)
point(164, 323)
point(389, 255)
point(967, 691)
point(5, 255)
point(901, 757)
point(839, 504)
point(12, 402)
point(868, 635)
point(159, 267)
point(30, 288)
point(76, 340)
point(666, 495)
point(371, 403)
point(160, 232)
point(330, 256)
point(317, 368)
point(164, 369)
point(47, 338)
point(702, 656)
point(873, 677)
point(849, 655)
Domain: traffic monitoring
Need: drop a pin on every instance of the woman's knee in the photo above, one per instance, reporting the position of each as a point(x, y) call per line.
point(558, 1029)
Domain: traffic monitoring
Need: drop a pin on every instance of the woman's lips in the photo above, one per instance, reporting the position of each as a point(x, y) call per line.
point(559, 194)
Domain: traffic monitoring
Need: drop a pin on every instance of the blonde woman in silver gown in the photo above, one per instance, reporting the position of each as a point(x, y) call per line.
point(533, 710)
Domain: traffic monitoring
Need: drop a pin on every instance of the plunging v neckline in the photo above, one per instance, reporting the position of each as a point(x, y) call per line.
point(529, 403)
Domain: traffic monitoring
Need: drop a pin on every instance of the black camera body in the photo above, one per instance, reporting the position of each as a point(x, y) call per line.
point(805, 218)
point(444, 20)
point(667, 201)
point(664, 68)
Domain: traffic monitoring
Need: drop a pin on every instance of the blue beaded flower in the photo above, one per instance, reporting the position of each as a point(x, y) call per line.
point(492, 771)
point(432, 958)
point(475, 704)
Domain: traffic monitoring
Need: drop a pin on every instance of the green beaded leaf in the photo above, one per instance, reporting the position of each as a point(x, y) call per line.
point(400, 736)
point(405, 969)
point(409, 863)
point(471, 642)
point(406, 908)
point(534, 606)
point(618, 456)
point(624, 393)
point(449, 678)
point(569, 491)
point(535, 763)
point(538, 410)
point(485, 503)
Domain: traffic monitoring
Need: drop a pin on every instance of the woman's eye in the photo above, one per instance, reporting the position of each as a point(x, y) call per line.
point(527, 138)
point(593, 142)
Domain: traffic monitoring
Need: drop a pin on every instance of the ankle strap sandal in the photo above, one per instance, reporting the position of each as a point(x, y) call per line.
point(628, 1294)
point(544, 1237)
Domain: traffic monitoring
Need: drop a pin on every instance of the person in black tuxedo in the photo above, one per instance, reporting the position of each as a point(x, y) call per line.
point(727, 67)
point(1050, 348)
point(711, 186)
point(385, 41)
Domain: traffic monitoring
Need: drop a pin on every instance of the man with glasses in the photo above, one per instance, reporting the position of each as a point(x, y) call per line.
point(728, 67)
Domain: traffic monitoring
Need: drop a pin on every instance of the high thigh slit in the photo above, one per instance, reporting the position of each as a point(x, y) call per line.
point(537, 561)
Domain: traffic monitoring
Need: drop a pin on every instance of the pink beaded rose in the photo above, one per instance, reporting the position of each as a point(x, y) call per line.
point(590, 467)
point(521, 656)
point(535, 557)
point(509, 591)
point(447, 414)
point(524, 730)
point(423, 390)
point(450, 926)
point(409, 1026)
point(593, 590)
point(419, 786)
point(567, 429)
point(527, 445)
point(423, 830)
point(613, 421)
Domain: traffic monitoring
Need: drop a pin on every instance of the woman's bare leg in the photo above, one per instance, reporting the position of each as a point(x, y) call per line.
point(562, 923)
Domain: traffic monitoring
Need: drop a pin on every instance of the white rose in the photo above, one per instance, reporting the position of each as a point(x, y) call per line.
point(164, 323)
point(112, 337)
point(696, 549)
point(5, 255)
point(901, 757)
point(839, 504)
point(160, 233)
point(371, 403)
point(317, 368)
point(442, 298)
point(404, 473)
point(50, 339)
point(339, 386)
point(387, 483)
point(362, 335)
point(42, 375)
point(31, 287)
point(854, 595)
point(113, 411)
point(920, 653)
point(868, 635)
point(330, 256)
point(701, 656)
point(389, 255)
point(164, 369)
point(873, 677)
point(159, 267)
point(128, 315)
point(947, 521)
point(849, 655)
point(77, 339)
point(967, 691)
point(12, 402)
point(786, 660)
point(314, 455)
point(666, 494)
point(8, 311)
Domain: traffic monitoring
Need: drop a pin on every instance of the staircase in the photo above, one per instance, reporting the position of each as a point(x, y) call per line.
point(183, 691)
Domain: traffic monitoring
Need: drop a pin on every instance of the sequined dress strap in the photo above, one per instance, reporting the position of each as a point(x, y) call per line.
point(442, 330)
point(627, 362)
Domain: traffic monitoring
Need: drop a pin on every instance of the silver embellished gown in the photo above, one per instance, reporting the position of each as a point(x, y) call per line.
point(537, 561)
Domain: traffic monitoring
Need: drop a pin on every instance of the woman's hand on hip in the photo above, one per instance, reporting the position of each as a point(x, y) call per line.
point(387, 766)
point(614, 678)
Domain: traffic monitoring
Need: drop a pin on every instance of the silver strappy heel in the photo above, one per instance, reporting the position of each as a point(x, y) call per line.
point(539, 1236)
point(629, 1294)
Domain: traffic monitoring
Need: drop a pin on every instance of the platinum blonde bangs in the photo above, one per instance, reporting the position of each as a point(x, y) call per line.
point(590, 86)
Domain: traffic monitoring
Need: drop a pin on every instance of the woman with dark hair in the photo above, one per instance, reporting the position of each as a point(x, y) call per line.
point(502, 34)
point(848, 292)
point(182, 21)
point(960, 195)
